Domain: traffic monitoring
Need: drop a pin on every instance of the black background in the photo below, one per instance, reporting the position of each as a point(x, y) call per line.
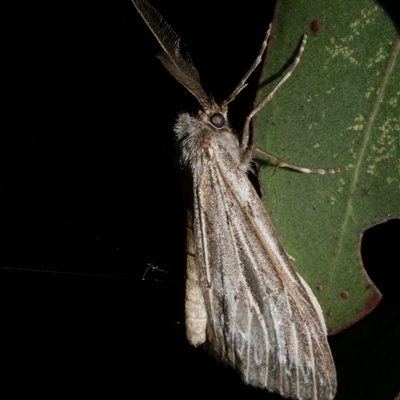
point(91, 195)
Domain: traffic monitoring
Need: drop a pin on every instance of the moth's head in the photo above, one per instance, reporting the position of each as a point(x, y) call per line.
point(215, 115)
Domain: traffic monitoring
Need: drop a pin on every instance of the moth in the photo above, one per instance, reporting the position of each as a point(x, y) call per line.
point(245, 303)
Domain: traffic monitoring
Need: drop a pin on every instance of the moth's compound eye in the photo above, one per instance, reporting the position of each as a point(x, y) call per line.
point(218, 120)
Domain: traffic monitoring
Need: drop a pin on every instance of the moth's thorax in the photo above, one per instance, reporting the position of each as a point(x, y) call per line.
point(201, 139)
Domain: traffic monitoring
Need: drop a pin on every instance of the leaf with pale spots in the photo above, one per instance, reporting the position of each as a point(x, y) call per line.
point(339, 108)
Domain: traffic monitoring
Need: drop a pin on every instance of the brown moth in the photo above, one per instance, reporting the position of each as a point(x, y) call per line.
point(244, 301)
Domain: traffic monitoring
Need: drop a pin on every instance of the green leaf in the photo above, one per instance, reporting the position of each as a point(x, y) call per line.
point(340, 107)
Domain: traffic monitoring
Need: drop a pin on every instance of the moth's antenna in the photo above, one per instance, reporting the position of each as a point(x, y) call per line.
point(180, 67)
point(242, 84)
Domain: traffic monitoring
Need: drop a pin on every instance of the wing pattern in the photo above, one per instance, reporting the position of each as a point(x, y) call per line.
point(263, 318)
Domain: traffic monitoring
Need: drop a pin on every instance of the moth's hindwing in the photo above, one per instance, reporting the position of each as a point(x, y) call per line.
point(195, 310)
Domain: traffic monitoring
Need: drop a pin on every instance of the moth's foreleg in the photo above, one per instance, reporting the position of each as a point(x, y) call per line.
point(282, 164)
point(242, 84)
point(245, 135)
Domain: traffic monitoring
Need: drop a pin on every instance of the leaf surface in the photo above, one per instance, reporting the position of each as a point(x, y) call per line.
point(340, 107)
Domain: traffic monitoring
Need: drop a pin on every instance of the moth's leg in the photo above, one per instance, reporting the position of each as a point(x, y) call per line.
point(242, 84)
point(195, 309)
point(247, 157)
point(291, 258)
point(282, 164)
point(245, 135)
